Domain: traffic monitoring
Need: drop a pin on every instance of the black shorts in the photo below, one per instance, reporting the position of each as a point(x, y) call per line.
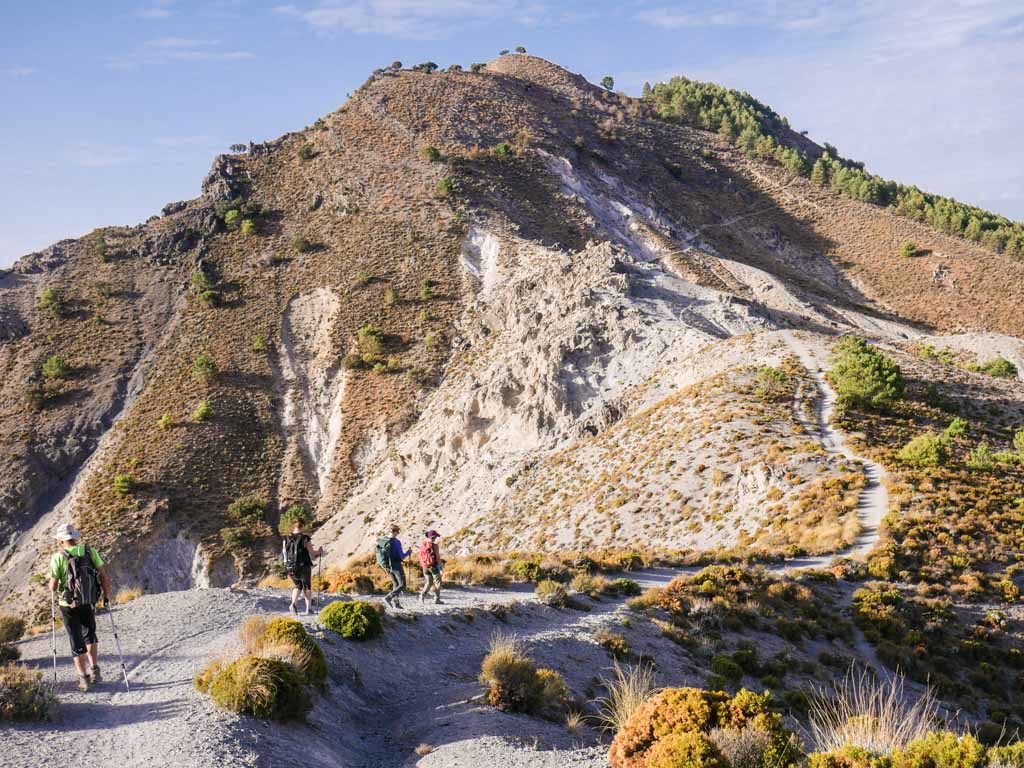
point(80, 623)
point(302, 578)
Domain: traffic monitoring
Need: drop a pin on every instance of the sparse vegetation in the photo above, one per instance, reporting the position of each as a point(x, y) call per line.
point(248, 228)
point(616, 645)
point(127, 595)
point(124, 484)
point(11, 628)
point(551, 593)
point(430, 153)
point(306, 152)
point(908, 250)
point(445, 186)
point(259, 343)
point(503, 151)
point(51, 301)
point(999, 367)
point(300, 244)
point(925, 450)
point(608, 83)
point(165, 422)
point(203, 411)
point(24, 696)
point(55, 368)
point(204, 367)
point(514, 684)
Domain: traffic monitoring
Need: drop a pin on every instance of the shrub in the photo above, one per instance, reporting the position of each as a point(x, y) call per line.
point(203, 367)
point(551, 593)
point(23, 694)
point(97, 247)
point(678, 711)
point(957, 428)
point(259, 343)
point(264, 688)
point(616, 644)
point(520, 49)
point(300, 244)
point(514, 684)
point(203, 680)
point(1000, 367)
point(370, 340)
point(388, 297)
point(55, 368)
point(430, 154)
point(554, 693)
point(127, 594)
point(165, 422)
point(354, 620)
point(687, 749)
point(504, 151)
point(608, 83)
point(863, 376)
point(925, 450)
point(51, 300)
point(306, 152)
point(445, 186)
point(981, 457)
point(289, 638)
point(426, 290)
point(1007, 756)
point(124, 484)
point(624, 587)
point(941, 750)
point(290, 515)
point(248, 227)
point(11, 628)
point(1018, 441)
point(203, 411)
point(771, 383)
point(908, 250)
point(9, 653)
point(477, 66)
point(725, 666)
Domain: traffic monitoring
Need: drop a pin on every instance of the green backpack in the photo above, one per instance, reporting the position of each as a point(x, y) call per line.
point(383, 552)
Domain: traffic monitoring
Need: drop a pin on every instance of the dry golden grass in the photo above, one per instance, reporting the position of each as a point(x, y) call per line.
point(127, 594)
point(627, 689)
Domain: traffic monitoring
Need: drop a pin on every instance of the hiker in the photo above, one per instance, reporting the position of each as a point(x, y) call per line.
point(79, 580)
point(431, 563)
point(297, 552)
point(390, 555)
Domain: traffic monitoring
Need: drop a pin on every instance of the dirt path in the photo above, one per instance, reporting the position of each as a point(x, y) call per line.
point(874, 498)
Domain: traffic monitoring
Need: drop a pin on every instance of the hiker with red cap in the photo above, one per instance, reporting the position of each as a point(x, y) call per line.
point(430, 561)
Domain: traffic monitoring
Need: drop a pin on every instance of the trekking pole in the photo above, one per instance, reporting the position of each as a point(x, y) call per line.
point(53, 632)
point(117, 642)
point(319, 582)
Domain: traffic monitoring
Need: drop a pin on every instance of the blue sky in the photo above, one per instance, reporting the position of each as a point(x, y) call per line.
point(113, 109)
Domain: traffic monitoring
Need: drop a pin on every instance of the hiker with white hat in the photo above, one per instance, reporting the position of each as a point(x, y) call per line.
point(78, 580)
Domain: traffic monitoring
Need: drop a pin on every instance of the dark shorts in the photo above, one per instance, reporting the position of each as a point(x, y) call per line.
point(80, 624)
point(302, 578)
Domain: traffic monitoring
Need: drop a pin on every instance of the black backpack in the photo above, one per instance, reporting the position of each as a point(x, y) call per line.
point(82, 583)
point(294, 552)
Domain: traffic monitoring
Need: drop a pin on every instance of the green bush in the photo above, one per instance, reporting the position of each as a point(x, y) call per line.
point(232, 218)
point(687, 749)
point(370, 340)
point(11, 628)
point(957, 428)
point(925, 450)
point(551, 593)
point(259, 343)
point(9, 653)
point(941, 750)
point(300, 244)
point(616, 645)
point(290, 515)
point(353, 620)
point(165, 422)
point(1007, 755)
point(624, 587)
point(771, 383)
point(24, 696)
point(51, 300)
point(306, 152)
point(203, 411)
point(55, 368)
point(203, 367)
point(247, 509)
point(504, 151)
point(430, 154)
point(981, 457)
point(725, 666)
point(477, 66)
point(248, 227)
point(1018, 441)
point(265, 688)
point(863, 376)
point(200, 282)
point(124, 484)
point(445, 186)
point(285, 631)
point(1000, 367)
point(908, 250)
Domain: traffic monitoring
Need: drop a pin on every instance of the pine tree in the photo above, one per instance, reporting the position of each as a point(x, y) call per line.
point(819, 173)
point(973, 230)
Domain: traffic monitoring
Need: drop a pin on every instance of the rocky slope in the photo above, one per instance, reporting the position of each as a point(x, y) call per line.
point(573, 300)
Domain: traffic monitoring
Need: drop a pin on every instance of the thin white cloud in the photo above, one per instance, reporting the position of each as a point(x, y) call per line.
point(89, 154)
point(412, 19)
point(164, 50)
point(18, 73)
point(158, 10)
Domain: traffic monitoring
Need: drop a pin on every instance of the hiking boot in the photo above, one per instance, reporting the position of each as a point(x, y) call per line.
point(395, 603)
point(94, 675)
point(83, 683)
point(293, 610)
point(438, 601)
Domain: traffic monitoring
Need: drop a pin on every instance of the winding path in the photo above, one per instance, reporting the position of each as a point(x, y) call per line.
point(874, 498)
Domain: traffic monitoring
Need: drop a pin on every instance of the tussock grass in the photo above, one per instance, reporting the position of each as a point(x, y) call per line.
point(127, 594)
point(628, 688)
point(876, 715)
point(24, 695)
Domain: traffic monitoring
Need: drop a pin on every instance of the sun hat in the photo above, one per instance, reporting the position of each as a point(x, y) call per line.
point(67, 532)
point(432, 534)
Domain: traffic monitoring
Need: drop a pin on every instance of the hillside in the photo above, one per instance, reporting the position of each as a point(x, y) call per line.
point(591, 340)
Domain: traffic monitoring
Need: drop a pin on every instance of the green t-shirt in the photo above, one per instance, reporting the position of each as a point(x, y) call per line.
point(59, 566)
